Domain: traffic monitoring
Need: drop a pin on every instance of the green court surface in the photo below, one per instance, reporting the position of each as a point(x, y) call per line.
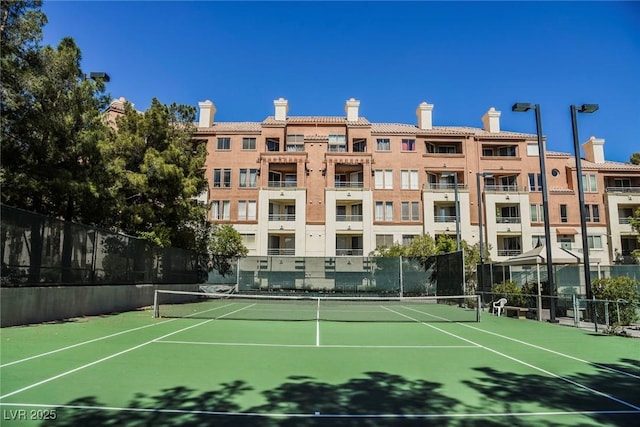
point(131, 369)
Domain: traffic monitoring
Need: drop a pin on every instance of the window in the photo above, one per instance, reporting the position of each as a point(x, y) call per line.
point(409, 180)
point(410, 211)
point(384, 240)
point(383, 144)
point(273, 144)
point(407, 239)
point(446, 149)
point(248, 177)
point(383, 179)
point(535, 182)
point(408, 145)
point(295, 142)
point(537, 240)
point(537, 213)
point(220, 209)
point(222, 178)
point(249, 240)
point(247, 210)
point(589, 184)
point(592, 213)
point(508, 151)
point(338, 143)
point(563, 213)
point(487, 151)
point(384, 211)
point(532, 150)
point(555, 172)
point(595, 242)
point(248, 143)
point(224, 144)
point(359, 145)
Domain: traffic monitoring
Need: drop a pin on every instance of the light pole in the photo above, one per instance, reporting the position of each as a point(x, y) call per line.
point(480, 226)
point(457, 202)
point(521, 107)
point(585, 108)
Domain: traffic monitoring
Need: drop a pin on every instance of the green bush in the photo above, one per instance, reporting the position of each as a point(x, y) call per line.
point(622, 295)
point(511, 291)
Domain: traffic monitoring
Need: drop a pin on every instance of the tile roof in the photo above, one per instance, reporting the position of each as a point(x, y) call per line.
point(607, 165)
point(223, 127)
point(316, 119)
point(401, 128)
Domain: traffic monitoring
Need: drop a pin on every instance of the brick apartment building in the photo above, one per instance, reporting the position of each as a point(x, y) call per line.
point(341, 185)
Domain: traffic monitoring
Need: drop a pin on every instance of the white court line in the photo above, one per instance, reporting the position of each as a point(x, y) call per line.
point(321, 415)
point(522, 362)
point(617, 371)
point(243, 344)
point(112, 356)
point(99, 339)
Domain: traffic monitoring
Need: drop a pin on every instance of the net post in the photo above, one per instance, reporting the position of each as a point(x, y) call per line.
point(156, 308)
point(237, 288)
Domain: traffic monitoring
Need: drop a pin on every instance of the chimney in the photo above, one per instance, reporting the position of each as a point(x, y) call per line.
point(351, 108)
point(282, 106)
point(207, 111)
point(594, 150)
point(491, 120)
point(424, 116)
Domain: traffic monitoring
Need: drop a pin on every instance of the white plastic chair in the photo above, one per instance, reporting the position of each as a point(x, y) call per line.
point(499, 305)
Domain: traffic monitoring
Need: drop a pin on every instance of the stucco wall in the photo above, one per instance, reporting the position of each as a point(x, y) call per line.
point(22, 306)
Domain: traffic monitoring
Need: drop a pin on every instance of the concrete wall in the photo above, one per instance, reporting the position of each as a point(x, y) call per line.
point(22, 306)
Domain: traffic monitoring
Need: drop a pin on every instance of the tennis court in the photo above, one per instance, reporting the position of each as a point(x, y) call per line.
point(308, 362)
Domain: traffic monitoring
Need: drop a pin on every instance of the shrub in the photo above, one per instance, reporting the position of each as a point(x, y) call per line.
point(621, 294)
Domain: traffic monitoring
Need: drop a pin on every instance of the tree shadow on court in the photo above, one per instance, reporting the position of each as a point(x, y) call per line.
point(320, 403)
point(364, 401)
point(596, 393)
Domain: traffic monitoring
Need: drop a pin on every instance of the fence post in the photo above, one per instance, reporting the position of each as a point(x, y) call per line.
point(576, 311)
point(401, 278)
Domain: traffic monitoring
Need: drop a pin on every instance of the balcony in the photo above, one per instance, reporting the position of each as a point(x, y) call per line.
point(349, 252)
point(445, 218)
point(635, 190)
point(503, 188)
point(282, 217)
point(348, 218)
point(508, 220)
point(282, 183)
point(281, 251)
point(449, 186)
point(348, 184)
point(509, 252)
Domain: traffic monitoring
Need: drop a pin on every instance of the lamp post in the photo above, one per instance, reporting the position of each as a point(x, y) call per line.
point(522, 107)
point(585, 108)
point(457, 204)
point(480, 226)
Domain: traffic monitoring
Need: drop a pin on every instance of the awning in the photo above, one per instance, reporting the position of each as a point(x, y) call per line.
point(566, 231)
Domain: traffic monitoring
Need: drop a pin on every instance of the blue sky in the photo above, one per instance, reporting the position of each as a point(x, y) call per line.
point(463, 57)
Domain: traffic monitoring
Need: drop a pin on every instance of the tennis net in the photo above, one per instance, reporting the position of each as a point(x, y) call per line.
point(202, 305)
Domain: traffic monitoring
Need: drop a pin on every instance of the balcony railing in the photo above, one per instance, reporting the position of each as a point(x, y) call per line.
point(279, 184)
point(281, 251)
point(501, 187)
point(445, 218)
point(623, 189)
point(625, 220)
point(346, 218)
point(347, 252)
point(349, 184)
point(509, 252)
point(508, 220)
point(445, 186)
point(282, 217)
